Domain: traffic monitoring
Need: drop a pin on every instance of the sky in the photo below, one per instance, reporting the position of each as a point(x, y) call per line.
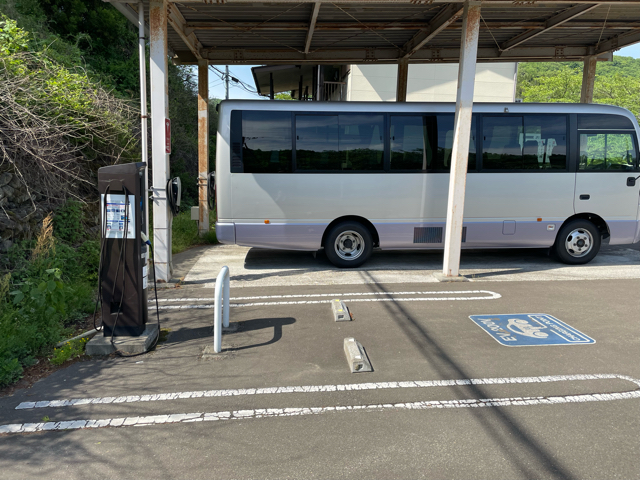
point(243, 72)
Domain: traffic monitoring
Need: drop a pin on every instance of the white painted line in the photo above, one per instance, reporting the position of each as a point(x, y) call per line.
point(300, 411)
point(489, 296)
point(320, 389)
point(332, 295)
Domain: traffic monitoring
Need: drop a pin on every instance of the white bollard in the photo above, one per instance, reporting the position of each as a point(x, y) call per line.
point(222, 285)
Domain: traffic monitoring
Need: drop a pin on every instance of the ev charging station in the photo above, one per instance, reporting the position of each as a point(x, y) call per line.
point(124, 270)
point(124, 254)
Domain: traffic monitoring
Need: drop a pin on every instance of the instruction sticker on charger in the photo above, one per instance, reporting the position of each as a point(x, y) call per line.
point(530, 329)
point(119, 213)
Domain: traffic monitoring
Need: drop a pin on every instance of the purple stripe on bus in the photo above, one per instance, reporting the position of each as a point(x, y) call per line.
point(308, 237)
point(622, 231)
point(291, 236)
point(479, 234)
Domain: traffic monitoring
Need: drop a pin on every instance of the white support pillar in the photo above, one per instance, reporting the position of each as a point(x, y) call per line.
point(588, 79)
point(160, 158)
point(462, 131)
point(203, 144)
point(403, 75)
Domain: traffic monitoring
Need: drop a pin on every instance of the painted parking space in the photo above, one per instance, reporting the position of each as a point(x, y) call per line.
point(530, 329)
point(319, 298)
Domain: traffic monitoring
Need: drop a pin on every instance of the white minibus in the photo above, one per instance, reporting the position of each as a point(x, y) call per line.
point(353, 176)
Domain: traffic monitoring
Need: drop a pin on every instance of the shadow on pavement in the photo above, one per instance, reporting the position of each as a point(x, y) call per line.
point(260, 324)
point(511, 437)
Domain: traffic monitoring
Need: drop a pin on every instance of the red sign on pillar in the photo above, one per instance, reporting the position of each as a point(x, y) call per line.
point(167, 135)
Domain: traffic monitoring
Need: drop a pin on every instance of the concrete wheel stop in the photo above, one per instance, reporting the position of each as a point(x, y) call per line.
point(356, 356)
point(340, 311)
point(101, 345)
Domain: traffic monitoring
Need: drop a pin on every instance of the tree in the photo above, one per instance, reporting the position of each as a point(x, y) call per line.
point(617, 83)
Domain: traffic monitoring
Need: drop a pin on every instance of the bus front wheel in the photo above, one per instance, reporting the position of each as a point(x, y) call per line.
point(578, 242)
point(348, 244)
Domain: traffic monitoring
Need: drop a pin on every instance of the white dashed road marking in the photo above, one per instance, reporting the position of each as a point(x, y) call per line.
point(299, 411)
point(317, 389)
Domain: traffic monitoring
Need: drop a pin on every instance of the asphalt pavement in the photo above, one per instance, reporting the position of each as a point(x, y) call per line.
point(445, 399)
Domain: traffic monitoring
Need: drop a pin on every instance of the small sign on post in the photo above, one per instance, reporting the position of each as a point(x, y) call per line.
point(167, 135)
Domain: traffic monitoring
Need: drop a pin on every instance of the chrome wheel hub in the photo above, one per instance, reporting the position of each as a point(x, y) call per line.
point(349, 245)
point(579, 242)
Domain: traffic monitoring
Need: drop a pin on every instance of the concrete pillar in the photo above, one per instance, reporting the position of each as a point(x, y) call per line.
point(403, 74)
point(203, 144)
point(462, 131)
point(159, 142)
point(588, 79)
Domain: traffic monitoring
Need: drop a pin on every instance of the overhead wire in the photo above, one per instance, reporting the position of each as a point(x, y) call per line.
point(235, 81)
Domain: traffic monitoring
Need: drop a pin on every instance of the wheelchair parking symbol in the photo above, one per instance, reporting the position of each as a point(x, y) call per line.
point(530, 329)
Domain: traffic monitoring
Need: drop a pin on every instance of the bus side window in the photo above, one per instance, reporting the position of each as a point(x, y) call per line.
point(607, 151)
point(528, 142)
point(266, 142)
point(343, 142)
point(445, 130)
point(545, 142)
point(502, 143)
point(410, 145)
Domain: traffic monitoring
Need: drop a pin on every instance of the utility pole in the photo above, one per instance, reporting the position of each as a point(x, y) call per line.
point(226, 82)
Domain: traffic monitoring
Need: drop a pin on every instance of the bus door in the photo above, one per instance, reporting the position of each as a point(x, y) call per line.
point(606, 183)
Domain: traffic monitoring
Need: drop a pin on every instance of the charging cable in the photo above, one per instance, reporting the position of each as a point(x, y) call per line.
point(147, 242)
point(103, 241)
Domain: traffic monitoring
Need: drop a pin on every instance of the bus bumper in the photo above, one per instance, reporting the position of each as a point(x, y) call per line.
point(226, 233)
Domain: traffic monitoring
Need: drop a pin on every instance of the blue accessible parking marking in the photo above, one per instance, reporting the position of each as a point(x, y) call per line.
point(530, 329)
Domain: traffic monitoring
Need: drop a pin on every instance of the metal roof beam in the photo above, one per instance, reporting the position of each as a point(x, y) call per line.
point(346, 26)
point(442, 20)
point(131, 15)
point(552, 22)
point(391, 55)
point(618, 41)
point(178, 23)
point(312, 26)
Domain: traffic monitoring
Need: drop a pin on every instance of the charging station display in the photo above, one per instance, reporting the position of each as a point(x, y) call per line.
point(118, 214)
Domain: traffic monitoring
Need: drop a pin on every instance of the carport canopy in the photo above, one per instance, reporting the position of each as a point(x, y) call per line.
point(402, 32)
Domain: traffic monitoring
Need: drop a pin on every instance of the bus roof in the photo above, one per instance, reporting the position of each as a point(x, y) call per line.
point(419, 107)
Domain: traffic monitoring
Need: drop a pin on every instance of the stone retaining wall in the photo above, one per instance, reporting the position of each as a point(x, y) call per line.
point(17, 217)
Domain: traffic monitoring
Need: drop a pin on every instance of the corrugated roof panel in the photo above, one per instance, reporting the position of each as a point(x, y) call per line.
point(499, 24)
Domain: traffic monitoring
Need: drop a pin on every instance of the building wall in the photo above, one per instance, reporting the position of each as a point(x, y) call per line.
point(495, 82)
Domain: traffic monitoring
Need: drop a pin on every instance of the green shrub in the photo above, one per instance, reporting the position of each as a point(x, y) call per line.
point(89, 256)
point(71, 349)
point(67, 222)
point(10, 371)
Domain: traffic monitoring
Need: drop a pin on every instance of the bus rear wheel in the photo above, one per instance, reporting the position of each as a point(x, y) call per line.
point(348, 244)
point(578, 242)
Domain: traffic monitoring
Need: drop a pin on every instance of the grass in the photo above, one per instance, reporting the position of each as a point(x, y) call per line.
point(45, 286)
point(185, 232)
